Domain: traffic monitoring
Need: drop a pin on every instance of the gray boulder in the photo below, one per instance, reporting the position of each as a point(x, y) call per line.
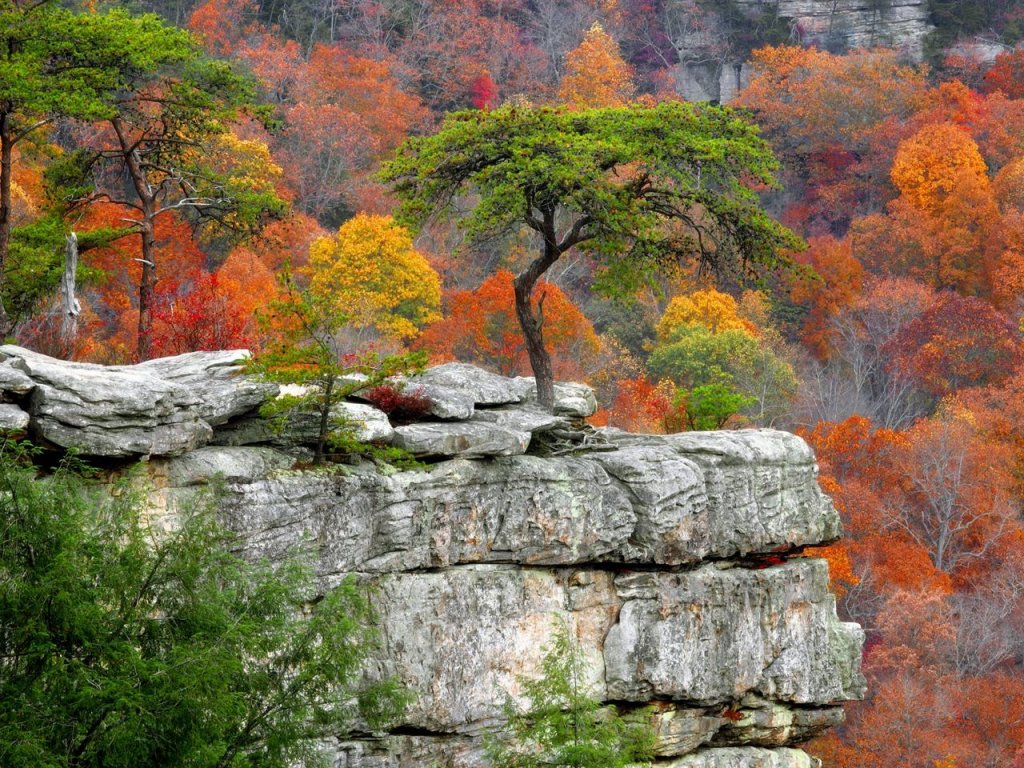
point(12, 418)
point(216, 379)
point(109, 411)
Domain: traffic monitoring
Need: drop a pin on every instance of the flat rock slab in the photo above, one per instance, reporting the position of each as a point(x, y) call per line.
point(744, 757)
point(641, 504)
point(217, 380)
point(522, 509)
point(106, 411)
point(474, 384)
point(462, 439)
point(715, 634)
point(368, 425)
point(214, 463)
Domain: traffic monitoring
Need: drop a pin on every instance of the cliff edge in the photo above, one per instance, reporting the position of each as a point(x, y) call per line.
point(675, 560)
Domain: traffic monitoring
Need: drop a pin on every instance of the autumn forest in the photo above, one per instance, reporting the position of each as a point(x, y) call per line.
point(247, 154)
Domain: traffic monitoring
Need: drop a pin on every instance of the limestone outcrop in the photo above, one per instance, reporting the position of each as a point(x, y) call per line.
point(676, 561)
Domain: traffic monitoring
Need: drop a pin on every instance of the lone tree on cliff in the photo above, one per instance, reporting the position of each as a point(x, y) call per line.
point(637, 187)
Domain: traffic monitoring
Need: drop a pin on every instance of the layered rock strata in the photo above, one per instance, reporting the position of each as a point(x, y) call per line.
point(674, 560)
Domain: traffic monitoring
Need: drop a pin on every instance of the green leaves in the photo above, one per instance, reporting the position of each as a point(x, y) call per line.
point(126, 647)
point(630, 175)
point(563, 726)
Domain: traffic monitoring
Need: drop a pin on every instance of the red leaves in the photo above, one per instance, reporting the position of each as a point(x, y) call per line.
point(401, 406)
point(203, 318)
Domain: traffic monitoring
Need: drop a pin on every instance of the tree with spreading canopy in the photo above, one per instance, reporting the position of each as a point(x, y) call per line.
point(165, 131)
point(636, 187)
point(56, 63)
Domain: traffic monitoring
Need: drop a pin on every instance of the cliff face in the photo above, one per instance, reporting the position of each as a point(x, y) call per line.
point(708, 73)
point(673, 559)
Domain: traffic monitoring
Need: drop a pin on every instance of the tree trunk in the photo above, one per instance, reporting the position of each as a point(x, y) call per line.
point(532, 324)
point(72, 308)
point(147, 200)
point(6, 147)
point(147, 287)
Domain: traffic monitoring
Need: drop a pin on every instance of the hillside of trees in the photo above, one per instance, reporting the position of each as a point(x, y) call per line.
point(220, 145)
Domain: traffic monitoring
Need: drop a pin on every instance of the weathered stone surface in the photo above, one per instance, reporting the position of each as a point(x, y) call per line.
point(216, 379)
point(368, 424)
point(473, 560)
point(12, 418)
point(109, 411)
point(230, 465)
point(14, 382)
point(760, 722)
point(574, 400)
point(716, 634)
point(753, 721)
point(462, 438)
point(461, 638)
point(645, 503)
point(518, 509)
point(761, 488)
point(745, 757)
point(456, 389)
point(410, 752)
point(523, 418)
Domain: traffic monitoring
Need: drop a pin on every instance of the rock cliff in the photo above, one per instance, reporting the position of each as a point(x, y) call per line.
point(710, 69)
point(675, 560)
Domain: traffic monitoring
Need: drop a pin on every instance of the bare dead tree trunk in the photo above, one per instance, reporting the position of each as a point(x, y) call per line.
point(72, 309)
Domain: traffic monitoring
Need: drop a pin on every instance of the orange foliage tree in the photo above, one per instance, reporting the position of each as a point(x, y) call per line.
point(595, 73)
point(931, 164)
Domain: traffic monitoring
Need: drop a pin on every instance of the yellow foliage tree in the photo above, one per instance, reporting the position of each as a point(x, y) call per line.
point(931, 164)
point(596, 74)
point(713, 309)
point(376, 277)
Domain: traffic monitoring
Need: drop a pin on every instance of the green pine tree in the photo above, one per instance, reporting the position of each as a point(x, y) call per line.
point(563, 726)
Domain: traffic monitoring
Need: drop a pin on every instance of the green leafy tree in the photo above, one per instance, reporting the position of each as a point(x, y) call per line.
point(53, 63)
point(733, 360)
point(308, 352)
point(169, 138)
point(710, 406)
point(123, 647)
point(635, 186)
point(563, 726)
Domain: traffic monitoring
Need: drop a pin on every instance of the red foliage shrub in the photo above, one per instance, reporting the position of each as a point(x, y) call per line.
point(401, 407)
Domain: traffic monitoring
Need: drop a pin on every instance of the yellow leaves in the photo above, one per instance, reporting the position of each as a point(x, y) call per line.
point(375, 276)
point(596, 74)
point(248, 161)
point(714, 310)
point(933, 162)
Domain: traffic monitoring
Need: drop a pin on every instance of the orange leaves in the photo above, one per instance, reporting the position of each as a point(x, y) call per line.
point(481, 327)
point(933, 162)
point(840, 278)
point(819, 99)
point(596, 74)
